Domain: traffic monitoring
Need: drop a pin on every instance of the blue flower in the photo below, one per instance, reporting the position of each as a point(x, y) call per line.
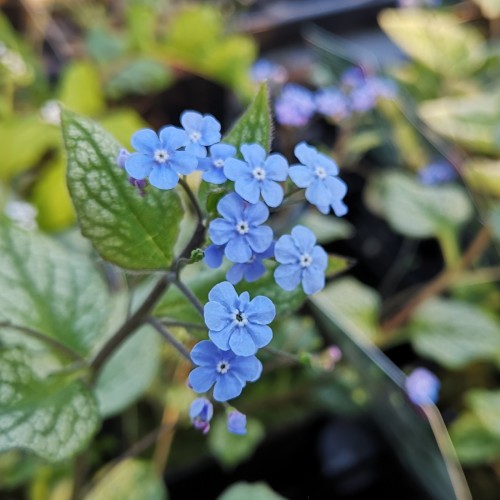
point(213, 167)
point(301, 261)
point(237, 323)
point(295, 106)
point(352, 77)
point(258, 175)
point(422, 386)
point(202, 130)
point(318, 174)
point(226, 370)
point(237, 422)
point(122, 157)
point(159, 158)
point(332, 103)
point(201, 412)
point(251, 270)
point(240, 229)
point(437, 172)
point(213, 256)
point(264, 70)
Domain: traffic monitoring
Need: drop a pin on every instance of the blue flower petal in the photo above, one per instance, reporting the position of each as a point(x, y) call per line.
point(231, 207)
point(216, 316)
point(221, 231)
point(272, 193)
point(261, 310)
point(306, 154)
point(173, 138)
point(163, 177)
point(214, 175)
point(202, 378)
point(260, 334)
point(210, 131)
point(224, 293)
point(241, 343)
point(288, 276)
point(254, 154)
point(254, 271)
point(238, 250)
point(227, 387)
point(191, 121)
point(276, 167)
point(328, 164)
point(183, 162)
point(205, 353)
point(320, 258)
point(221, 338)
point(139, 165)
point(257, 214)
point(318, 194)
point(259, 239)
point(286, 251)
point(145, 140)
point(234, 168)
point(248, 189)
point(248, 369)
point(235, 273)
point(339, 208)
point(222, 151)
point(196, 150)
point(213, 256)
point(304, 238)
point(336, 187)
point(312, 280)
point(301, 176)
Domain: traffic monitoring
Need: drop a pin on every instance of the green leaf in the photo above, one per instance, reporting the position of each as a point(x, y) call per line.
point(474, 444)
point(489, 8)
point(50, 289)
point(131, 231)
point(129, 480)
point(486, 406)
point(296, 334)
point(419, 32)
point(415, 210)
point(255, 124)
point(232, 449)
point(244, 491)
point(454, 333)
point(129, 372)
point(337, 265)
point(52, 417)
point(495, 221)
point(81, 89)
point(483, 175)
point(471, 121)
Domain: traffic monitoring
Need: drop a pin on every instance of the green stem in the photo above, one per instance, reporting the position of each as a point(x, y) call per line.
point(189, 295)
point(449, 247)
point(183, 324)
point(169, 337)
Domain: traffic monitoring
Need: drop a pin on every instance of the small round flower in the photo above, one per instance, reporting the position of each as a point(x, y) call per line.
point(240, 229)
point(332, 103)
point(258, 175)
point(251, 270)
point(158, 157)
point(302, 261)
point(224, 370)
point(264, 70)
point(437, 172)
point(295, 106)
point(213, 256)
point(237, 323)
point(213, 166)
point(201, 412)
point(318, 174)
point(237, 422)
point(352, 77)
point(202, 130)
point(422, 386)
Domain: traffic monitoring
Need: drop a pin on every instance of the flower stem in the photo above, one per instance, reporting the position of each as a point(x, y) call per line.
point(169, 337)
point(189, 295)
point(192, 199)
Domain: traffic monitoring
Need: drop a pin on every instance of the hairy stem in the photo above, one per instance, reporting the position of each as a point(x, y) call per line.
point(169, 337)
point(189, 295)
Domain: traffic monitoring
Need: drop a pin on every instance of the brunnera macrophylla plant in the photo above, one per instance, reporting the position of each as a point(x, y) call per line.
point(131, 206)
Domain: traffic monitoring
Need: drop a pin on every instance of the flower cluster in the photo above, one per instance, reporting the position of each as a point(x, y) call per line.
point(357, 93)
point(422, 386)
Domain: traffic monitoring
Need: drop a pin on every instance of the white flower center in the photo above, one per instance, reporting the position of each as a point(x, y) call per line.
point(240, 318)
point(305, 260)
point(259, 173)
point(218, 163)
point(320, 172)
point(223, 367)
point(161, 156)
point(242, 227)
point(195, 136)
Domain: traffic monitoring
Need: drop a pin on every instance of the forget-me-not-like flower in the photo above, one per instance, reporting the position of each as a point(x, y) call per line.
point(301, 261)
point(201, 130)
point(318, 174)
point(214, 254)
point(258, 174)
point(251, 270)
point(213, 166)
point(201, 412)
point(224, 370)
point(294, 106)
point(422, 386)
point(240, 229)
point(332, 103)
point(265, 70)
point(158, 157)
point(237, 422)
point(439, 171)
point(237, 323)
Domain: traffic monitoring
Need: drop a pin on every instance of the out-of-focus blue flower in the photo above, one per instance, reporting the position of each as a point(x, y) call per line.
point(201, 412)
point(437, 172)
point(295, 105)
point(213, 166)
point(352, 78)
point(237, 422)
point(332, 103)
point(422, 386)
point(159, 158)
point(240, 229)
point(257, 174)
point(224, 370)
point(213, 256)
point(362, 99)
point(404, 4)
point(201, 130)
point(264, 70)
point(237, 323)
point(251, 270)
point(318, 174)
point(140, 184)
point(122, 157)
point(382, 87)
point(301, 261)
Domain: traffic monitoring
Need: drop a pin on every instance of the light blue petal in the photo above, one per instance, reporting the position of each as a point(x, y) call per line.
point(288, 276)
point(339, 208)
point(243, 301)
point(196, 150)
point(306, 154)
point(320, 258)
point(241, 343)
point(221, 231)
point(145, 140)
point(328, 164)
point(183, 162)
point(173, 138)
point(231, 207)
point(216, 316)
point(254, 271)
point(238, 250)
point(235, 169)
point(235, 273)
point(259, 238)
point(163, 177)
point(213, 256)
point(202, 378)
point(205, 353)
point(261, 334)
point(272, 193)
point(276, 167)
point(210, 131)
point(221, 338)
point(139, 165)
point(337, 187)
point(227, 387)
point(301, 176)
point(257, 214)
point(248, 369)
point(318, 194)
point(222, 151)
point(224, 293)
point(324, 210)
point(313, 280)
point(214, 176)
point(248, 189)
point(304, 238)
point(191, 121)
point(261, 310)
point(254, 154)
point(285, 250)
